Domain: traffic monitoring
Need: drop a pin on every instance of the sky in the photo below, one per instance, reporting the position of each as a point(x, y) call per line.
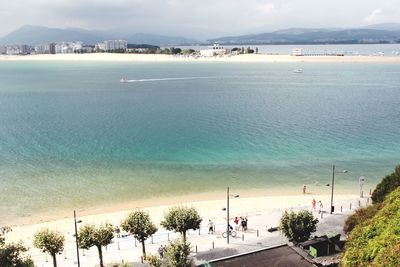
point(199, 19)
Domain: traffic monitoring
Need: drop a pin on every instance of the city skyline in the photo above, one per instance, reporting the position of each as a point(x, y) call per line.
point(201, 20)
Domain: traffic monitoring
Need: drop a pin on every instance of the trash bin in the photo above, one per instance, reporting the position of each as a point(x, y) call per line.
point(332, 209)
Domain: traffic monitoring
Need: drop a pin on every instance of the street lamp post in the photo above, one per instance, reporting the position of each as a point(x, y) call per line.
point(76, 238)
point(333, 185)
point(227, 213)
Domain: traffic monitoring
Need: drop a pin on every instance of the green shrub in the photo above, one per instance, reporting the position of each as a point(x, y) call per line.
point(361, 215)
point(153, 260)
point(376, 242)
point(178, 253)
point(387, 185)
point(297, 227)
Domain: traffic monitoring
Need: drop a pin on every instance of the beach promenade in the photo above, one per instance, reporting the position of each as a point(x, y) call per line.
point(205, 246)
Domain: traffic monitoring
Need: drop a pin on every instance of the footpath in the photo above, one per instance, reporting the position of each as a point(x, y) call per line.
point(205, 246)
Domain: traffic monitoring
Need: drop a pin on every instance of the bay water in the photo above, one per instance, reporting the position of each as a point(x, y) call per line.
point(73, 136)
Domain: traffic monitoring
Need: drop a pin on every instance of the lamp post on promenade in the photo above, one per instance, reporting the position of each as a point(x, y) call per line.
point(227, 213)
point(333, 185)
point(76, 237)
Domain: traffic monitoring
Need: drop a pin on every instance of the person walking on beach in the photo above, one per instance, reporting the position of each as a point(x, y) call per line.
point(313, 203)
point(304, 189)
point(210, 227)
point(320, 206)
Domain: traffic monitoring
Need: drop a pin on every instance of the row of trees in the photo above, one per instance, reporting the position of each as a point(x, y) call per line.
point(242, 50)
point(138, 224)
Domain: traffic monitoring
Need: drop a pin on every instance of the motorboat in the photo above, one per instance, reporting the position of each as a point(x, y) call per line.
point(298, 71)
point(123, 80)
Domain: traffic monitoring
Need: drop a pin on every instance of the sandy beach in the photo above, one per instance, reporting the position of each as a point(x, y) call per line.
point(246, 58)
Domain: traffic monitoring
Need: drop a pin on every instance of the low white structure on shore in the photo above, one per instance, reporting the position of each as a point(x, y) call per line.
point(297, 51)
point(215, 50)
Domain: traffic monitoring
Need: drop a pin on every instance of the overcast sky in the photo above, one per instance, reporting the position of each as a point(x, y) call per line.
point(196, 18)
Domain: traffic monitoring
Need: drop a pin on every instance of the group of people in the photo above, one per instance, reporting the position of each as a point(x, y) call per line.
point(162, 250)
point(314, 205)
point(241, 223)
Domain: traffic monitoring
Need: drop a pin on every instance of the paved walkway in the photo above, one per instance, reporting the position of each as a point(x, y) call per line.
point(205, 246)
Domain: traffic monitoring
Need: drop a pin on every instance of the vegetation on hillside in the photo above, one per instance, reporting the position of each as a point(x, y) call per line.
point(376, 242)
point(387, 185)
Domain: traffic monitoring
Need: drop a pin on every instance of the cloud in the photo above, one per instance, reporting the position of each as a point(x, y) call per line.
point(376, 16)
point(193, 18)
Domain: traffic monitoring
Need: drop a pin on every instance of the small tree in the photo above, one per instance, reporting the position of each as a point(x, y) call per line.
point(178, 253)
point(298, 227)
point(139, 224)
point(12, 254)
point(182, 219)
point(90, 236)
point(49, 241)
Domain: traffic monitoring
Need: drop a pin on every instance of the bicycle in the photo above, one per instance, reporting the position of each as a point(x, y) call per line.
point(231, 233)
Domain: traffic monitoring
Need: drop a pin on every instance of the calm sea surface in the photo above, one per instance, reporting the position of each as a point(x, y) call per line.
point(73, 136)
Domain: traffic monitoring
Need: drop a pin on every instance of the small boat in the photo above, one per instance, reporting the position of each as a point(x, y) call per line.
point(298, 71)
point(123, 80)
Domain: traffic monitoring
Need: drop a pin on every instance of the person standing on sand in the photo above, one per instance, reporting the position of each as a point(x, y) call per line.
point(236, 221)
point(313, 203)
point(304, 189)
point(210, 227)
point(320, 206)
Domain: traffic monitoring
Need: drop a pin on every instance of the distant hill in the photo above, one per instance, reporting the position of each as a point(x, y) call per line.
point(319, 36)
point(34, 35)
point(385, 26)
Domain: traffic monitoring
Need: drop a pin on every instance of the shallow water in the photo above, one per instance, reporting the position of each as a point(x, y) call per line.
point(72, 135)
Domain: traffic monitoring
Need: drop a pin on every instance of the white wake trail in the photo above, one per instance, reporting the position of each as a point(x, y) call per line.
point(164, 79)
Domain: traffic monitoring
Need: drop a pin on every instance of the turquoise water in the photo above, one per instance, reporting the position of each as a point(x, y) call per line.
point(73, 136)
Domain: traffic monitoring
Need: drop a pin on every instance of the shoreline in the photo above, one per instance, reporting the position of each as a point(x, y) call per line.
point(149, 202)
point(245, 58)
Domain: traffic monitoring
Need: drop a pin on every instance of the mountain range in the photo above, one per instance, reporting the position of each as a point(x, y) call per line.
point(379, 33)
point(35, 35)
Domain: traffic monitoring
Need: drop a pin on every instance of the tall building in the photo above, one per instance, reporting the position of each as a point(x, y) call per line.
point(52, 48)
point(111, 45)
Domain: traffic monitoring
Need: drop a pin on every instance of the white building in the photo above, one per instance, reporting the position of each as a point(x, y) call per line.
point(67, 47)
point(297, 52)
point(215, 50)
point(111, 45)
point(42, 49)
point(13, 50)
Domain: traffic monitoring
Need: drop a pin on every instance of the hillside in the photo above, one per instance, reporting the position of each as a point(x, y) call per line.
point(34, 35)
point(315, 36)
